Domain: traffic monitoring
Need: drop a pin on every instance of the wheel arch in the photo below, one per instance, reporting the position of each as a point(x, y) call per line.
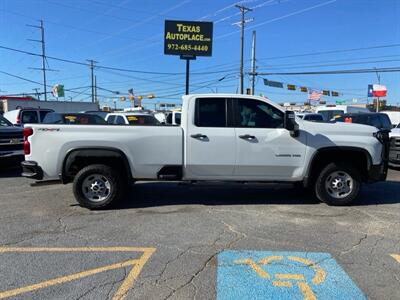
point(354, 155)
point(78, 158)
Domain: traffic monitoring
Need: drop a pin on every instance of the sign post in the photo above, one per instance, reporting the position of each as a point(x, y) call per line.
point(188, 40)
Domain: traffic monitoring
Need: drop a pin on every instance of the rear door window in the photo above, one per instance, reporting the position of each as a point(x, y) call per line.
point(120, 121)
point(29, 116)
point(178, 118)
point(43, 114)
point(211, 112)
point(374, 121)
point(386, 124)
point(111, 119)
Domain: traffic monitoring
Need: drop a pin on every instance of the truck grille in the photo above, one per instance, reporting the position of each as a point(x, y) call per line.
point(11, 140)
point(395, 143)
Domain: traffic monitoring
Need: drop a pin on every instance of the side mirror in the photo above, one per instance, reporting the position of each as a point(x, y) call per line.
point(290, 124)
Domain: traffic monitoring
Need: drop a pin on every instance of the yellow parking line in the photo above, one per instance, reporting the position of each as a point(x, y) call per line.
point(65, 279)
point(396, 257)
point(130, 279)
point(122, 290)
point(75, 249)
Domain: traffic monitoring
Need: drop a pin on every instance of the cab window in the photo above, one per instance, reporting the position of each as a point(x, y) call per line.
point(111, 119)
point(211, 112)
point(120, 121)
point(30, 116)
point(257, 114)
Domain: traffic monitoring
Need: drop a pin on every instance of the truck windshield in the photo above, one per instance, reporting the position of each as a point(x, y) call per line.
point(330, 114)
point(4, 122)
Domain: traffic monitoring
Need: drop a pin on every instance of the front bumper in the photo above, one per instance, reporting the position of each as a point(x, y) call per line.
point(31, 169)
point(378, 172)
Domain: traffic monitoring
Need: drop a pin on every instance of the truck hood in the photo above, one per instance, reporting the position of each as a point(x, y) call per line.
point(11, 130)
point(338, 128)
point(395, 132)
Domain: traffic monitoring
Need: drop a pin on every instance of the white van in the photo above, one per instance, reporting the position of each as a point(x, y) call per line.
point(19, 117)
point(394, 117)
point(331, 111)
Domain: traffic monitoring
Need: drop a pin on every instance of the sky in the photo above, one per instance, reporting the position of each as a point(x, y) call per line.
point(291, 36)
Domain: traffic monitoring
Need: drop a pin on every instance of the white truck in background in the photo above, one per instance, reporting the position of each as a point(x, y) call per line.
point(222, 137)
point(13, 103)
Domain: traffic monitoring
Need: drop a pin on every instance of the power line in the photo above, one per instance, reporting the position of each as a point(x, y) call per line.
point(333, 51)
point(351, 71)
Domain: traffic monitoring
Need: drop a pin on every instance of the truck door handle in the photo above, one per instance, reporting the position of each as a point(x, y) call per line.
point(199, 136)
point(247, 137)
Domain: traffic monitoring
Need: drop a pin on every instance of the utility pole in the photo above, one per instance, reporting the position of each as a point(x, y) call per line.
point(243, 11)
point(378, 99)
point(95, 88)
point(43, 55)
point(37, 93)
point(253, 62)
point(92, 62)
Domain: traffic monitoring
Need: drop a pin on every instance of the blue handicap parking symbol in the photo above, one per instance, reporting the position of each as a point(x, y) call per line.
point(282, 275)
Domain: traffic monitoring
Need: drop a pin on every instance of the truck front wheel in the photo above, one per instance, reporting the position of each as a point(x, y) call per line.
point(97, 186)
point(338, 184)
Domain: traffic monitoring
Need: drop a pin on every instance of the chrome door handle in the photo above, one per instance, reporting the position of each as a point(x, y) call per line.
point(199, 136)
point(247, 137)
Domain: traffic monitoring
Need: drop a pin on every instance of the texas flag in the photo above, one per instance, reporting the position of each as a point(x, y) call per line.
point(379, 90)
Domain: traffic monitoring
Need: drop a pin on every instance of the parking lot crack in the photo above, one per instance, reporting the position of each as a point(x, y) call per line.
point(193, 277)
point(356, 245)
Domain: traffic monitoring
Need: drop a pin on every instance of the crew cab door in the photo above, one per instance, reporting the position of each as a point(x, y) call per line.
point(210, 141)
point(265, 149)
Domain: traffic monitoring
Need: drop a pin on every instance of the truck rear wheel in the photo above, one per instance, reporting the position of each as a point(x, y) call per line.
point(97, 186)
point(338, 184)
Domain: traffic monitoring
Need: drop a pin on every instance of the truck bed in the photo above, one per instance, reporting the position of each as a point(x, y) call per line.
point(148, 148)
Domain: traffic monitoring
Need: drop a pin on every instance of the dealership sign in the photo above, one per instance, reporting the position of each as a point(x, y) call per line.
point(188, 38)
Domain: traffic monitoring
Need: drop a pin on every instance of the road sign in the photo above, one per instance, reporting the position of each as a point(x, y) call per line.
point(188, 38)
point(282, 275)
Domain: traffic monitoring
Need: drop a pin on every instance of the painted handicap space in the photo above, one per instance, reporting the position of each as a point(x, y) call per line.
point(282, 275)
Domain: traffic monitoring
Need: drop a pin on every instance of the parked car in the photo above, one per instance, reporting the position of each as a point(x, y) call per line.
point(394, 117)
point(173, 118)
point(331, 111)
point(11, 140)
point(101, 114)
point(224, 137)
point(73, 118)
point(313, 117)
point(129, 118)
point(19, 117)
point(394, 154)
point(378, 120)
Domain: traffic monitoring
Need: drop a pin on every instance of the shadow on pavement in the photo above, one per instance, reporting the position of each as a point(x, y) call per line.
point(10, 167)
point(155, 194)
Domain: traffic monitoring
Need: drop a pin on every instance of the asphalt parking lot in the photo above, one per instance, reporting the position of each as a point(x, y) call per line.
point(182, 241)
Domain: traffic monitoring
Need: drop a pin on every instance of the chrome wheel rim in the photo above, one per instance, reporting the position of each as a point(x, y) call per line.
point(339, 184)
point(96, 187)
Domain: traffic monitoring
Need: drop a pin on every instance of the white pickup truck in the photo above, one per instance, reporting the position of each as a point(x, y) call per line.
point(222, 137)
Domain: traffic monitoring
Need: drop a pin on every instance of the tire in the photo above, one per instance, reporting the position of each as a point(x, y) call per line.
point(97, 187)
point(338, 184)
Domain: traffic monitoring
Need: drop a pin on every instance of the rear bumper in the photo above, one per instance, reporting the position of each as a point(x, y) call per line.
point(31, 169)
